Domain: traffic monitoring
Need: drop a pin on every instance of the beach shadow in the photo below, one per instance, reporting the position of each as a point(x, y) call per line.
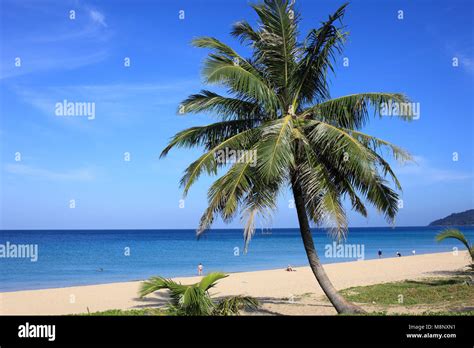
point(314, 303)
point(452, 273)
point(434, 282)
point(156, 301)
point(160, 300)
point(462, 309)
point(261, 311)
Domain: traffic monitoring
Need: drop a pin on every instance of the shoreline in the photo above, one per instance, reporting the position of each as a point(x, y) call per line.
point(229, 273)
point(270, 285)
point(214, 270)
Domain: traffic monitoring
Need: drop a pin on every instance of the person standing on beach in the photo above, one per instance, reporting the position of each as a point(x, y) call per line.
point(200, 269)
point(380, 253)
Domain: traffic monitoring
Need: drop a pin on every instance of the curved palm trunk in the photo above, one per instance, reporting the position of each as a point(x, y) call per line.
point(339, 302)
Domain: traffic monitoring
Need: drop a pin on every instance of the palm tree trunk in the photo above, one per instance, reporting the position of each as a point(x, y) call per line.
point(339, 302)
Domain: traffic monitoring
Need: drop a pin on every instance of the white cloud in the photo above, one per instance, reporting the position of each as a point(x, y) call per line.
point(112, 100)
point(424, 173)
point(55, 43)
point(98, 17)
point(467, 63)
point(463, 52)
point(82, 174)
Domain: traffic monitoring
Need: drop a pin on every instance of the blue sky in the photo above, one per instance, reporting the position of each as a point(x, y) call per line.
point(64, 158)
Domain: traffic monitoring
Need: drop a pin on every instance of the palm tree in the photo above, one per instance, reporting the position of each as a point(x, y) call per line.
point(458, 235)
point(195, 300)
point(279, 107)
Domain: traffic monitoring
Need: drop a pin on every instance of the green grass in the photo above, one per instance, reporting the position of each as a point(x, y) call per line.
point(130, 312)
point(446, 291)
point(425, 313)
point(443, 296)
point(460, 313)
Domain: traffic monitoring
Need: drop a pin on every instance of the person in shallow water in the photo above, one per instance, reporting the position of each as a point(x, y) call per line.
point(379, 253)
point(200, 269)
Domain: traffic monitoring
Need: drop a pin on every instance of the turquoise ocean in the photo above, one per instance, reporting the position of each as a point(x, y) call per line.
point(80, 257)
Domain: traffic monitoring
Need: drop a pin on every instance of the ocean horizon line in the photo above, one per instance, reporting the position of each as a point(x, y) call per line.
point(222, 228)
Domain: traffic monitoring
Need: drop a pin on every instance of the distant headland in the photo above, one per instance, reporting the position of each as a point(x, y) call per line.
point(465, 218)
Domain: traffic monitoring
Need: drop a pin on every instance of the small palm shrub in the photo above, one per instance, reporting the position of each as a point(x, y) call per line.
point(195, 300)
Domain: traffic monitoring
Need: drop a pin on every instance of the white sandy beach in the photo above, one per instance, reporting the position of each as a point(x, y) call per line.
point(272, 287)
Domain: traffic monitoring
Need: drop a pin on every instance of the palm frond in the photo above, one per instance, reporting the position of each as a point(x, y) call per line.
point(275, 150)
point(224, 107)
point(158, 283)
point(453, 233)
point(352, 111)
point(321, 45)
point(209, 136)
point(374, 145)
point(210, 280)
point(219, 47)
point(208, 161)
point(245, 33)
point(277, 50)
point(322, 196)
point(227, 53)
point(240, 80)
point(225, 194)
point(260, 201)
point(232, 305)
point(194, 299)
point(195, 302)
point(347, 158)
